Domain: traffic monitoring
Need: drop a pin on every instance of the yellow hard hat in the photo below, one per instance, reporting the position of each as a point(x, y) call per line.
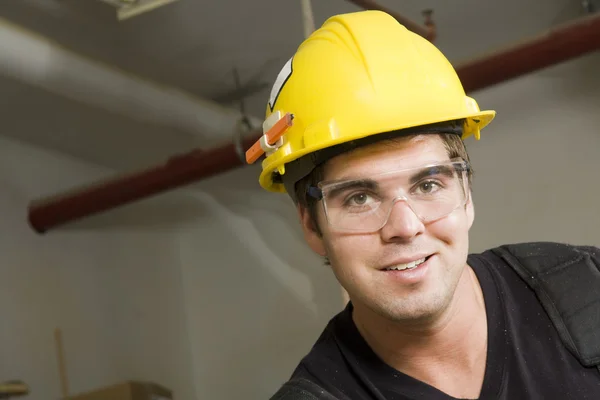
point(361, 75)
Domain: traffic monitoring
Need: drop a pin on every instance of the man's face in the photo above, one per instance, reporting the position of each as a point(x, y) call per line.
point(361, 261)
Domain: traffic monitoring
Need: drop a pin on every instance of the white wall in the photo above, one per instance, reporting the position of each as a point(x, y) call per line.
point(255, 296)
point(116, 294)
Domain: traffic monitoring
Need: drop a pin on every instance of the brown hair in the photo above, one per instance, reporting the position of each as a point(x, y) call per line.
point(454, 146)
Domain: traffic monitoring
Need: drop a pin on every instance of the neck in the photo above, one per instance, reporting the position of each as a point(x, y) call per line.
point(455, 340)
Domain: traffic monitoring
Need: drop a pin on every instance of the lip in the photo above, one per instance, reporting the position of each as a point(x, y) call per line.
point(406, 260)
point(411, 276)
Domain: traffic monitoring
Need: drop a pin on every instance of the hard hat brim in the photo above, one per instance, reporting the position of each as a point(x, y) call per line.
point(472, 125)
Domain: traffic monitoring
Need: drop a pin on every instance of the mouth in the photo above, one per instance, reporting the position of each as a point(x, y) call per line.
point(409, 265)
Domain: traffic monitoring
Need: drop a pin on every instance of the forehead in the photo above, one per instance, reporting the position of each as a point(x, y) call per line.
point(385, 156)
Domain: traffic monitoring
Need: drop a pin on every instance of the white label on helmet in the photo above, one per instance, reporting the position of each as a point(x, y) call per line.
point(282, 78)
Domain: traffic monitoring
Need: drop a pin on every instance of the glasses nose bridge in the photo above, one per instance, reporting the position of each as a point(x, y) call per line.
point(402, 198)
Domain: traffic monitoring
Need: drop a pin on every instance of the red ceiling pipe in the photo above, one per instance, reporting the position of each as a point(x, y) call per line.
point(180, 170)
point(428, 31)
point(560, 44)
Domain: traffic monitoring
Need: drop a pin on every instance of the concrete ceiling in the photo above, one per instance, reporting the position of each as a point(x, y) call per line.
point(195, 45)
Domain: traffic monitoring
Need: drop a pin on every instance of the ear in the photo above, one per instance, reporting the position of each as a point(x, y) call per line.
point(470, 210)
point(311, 234)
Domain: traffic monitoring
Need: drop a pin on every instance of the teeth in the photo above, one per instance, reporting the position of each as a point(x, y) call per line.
point(410, 265)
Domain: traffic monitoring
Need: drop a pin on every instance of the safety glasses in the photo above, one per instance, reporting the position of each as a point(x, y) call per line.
point(432, 191)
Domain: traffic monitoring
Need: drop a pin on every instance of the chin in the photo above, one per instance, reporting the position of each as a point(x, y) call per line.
point(419, 305)
point(415, 308)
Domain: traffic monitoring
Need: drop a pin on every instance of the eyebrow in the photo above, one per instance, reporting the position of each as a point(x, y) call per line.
point(368, 184)
point(435, 170)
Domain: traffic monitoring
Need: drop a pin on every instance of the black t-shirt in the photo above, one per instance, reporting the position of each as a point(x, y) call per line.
point(525, 358)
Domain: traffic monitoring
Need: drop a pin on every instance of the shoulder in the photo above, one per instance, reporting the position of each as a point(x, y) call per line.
point(543, 266)
point(549, 249)
point(566, 280)
point(542, 255)
point(309, 381)
point(301, 389)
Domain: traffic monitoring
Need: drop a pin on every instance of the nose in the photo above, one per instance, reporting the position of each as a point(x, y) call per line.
point(402, 224)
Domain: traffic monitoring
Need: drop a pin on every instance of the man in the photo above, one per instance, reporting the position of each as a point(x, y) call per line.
point(364, 130)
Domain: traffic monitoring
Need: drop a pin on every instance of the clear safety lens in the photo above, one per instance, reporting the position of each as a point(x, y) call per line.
point(364, 205)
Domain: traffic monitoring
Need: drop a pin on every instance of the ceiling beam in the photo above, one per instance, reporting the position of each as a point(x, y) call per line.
point(559, 45)
point(562, 43)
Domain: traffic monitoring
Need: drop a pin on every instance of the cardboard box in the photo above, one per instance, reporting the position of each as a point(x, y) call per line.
point(130, 390)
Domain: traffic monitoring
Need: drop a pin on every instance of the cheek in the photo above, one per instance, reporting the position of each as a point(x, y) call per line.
point(451, 230)
point(350, 251)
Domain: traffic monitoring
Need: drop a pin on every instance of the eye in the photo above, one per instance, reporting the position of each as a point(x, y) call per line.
point(428, 187)
point(358, 199)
